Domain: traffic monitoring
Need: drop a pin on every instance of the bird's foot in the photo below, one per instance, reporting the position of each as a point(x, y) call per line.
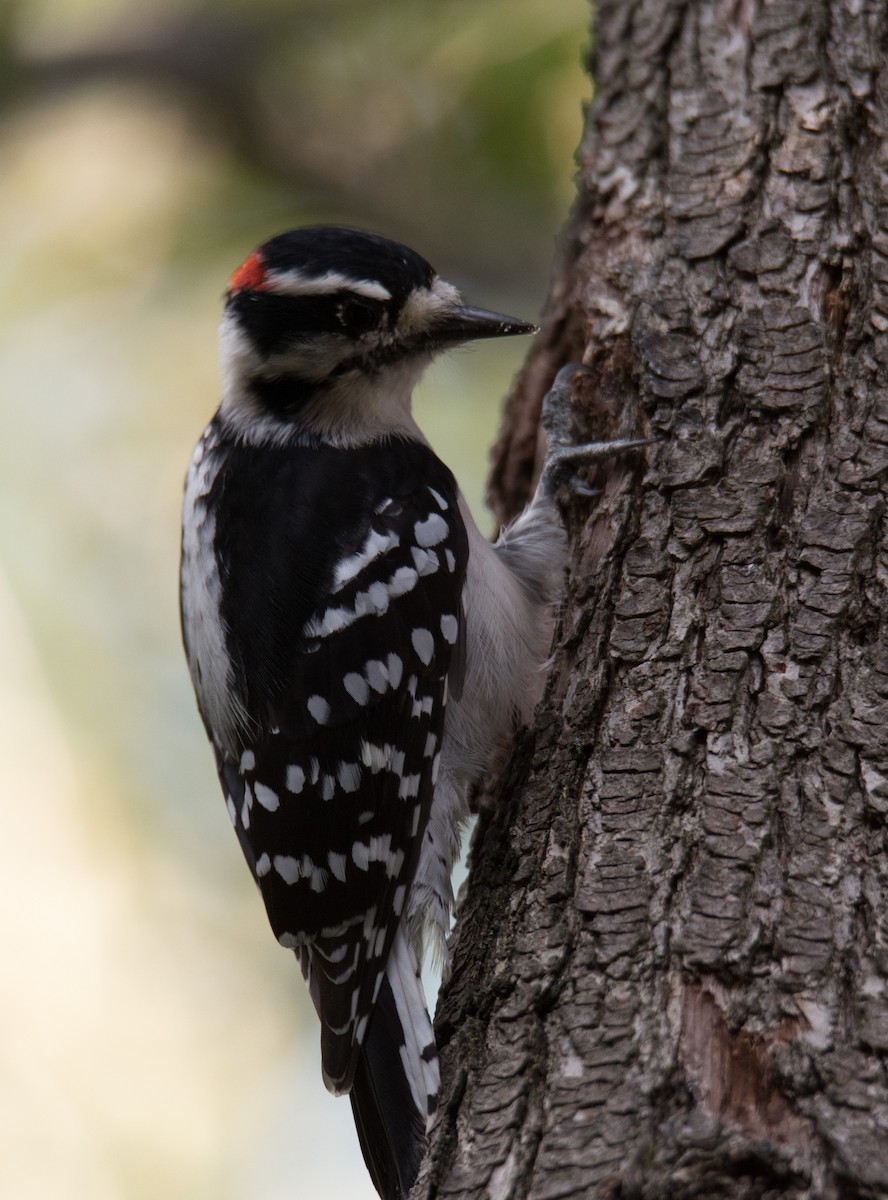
point(563, 457)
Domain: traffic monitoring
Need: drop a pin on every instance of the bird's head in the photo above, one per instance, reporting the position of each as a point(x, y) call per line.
point(326, 331)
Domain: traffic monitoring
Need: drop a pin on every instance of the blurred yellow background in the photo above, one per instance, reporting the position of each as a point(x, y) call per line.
point(154, 1039)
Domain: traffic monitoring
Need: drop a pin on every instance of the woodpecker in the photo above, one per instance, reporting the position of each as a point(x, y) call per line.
point(358, 649)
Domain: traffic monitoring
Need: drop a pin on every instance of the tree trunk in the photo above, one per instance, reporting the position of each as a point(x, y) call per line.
point(670, 965)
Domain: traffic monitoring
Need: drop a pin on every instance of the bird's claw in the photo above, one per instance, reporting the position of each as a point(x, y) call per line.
point(557, 404)
point(563, 458)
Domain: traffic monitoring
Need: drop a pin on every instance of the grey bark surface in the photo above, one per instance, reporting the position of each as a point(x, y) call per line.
point(670, 965)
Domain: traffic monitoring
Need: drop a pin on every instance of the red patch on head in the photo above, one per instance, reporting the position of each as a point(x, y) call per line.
point(250, 276)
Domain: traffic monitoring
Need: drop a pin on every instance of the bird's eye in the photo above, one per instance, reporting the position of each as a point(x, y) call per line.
point(357, 316)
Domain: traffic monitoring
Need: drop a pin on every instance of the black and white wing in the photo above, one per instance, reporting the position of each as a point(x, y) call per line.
point(354, 639)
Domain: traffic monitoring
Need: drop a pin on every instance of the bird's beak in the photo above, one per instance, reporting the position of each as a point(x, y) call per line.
point(462, 324)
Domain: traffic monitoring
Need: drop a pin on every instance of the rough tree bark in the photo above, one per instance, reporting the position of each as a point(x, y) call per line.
point(670, 967)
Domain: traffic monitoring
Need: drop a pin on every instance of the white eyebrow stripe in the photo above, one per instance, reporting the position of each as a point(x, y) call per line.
point(295, 283)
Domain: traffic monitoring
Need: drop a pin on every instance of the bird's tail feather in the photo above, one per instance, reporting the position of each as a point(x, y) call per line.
point(395, 1086)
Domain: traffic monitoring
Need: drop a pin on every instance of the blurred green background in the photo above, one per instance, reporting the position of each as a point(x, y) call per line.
point(154, 1039)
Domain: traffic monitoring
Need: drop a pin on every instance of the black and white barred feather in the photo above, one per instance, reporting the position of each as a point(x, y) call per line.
point(339, 655)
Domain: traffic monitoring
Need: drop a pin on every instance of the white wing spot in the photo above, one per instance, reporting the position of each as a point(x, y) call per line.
point(328, 787)
point(379, 848)
point(356, 686)
point(449, 628)
point(409, 787)
point(431, 531)
point(288, 867)
point(377, 985)
point(451, 560)
point(425, 561)
point(232, 811)
point(246, 806)
point(431, 745)
point(423, 644)
point(291, 870)
point(436, 763)
point(377, 758)
point(377, 675)
point(379, 596)
point(295, 780)
point(398, 899)
point(319, 709)
point(337, 866)
point(349, 776)
point(263, 865)
point(402, 582)
point(266, 797)
point(318, 879)
point(374, 601)
point(438, 498)
point(374, 547)
point(395, 669)
point(248, 761)
point(333, 620)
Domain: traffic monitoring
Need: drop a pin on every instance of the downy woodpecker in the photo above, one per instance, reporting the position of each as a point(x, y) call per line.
point(358, 648)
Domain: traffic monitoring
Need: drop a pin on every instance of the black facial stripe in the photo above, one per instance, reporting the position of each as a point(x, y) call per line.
point(287, 395)
point(271, 321)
